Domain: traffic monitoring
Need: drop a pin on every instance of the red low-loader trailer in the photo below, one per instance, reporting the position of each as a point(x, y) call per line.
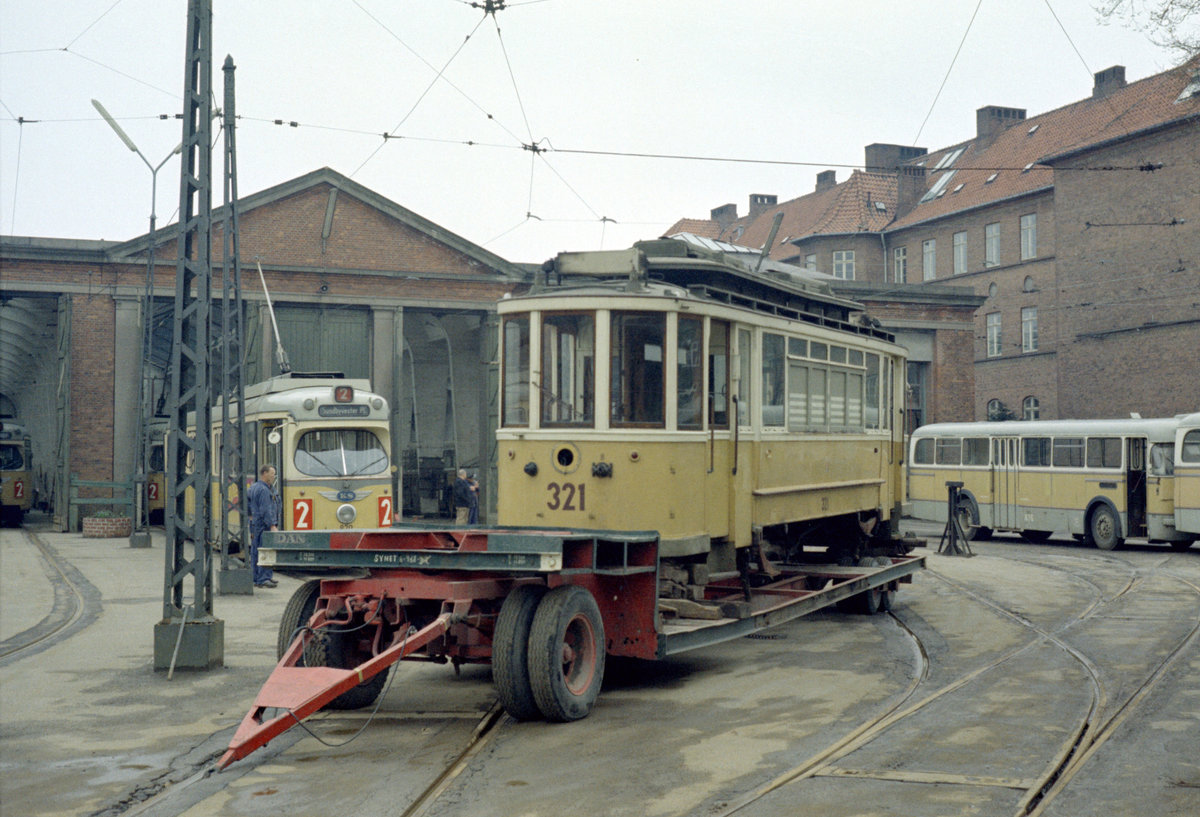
point(543, 606)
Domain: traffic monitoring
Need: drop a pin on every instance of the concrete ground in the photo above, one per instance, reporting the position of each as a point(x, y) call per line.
point(87, 727)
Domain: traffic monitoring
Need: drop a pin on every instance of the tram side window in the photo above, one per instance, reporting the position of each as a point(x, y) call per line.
point(1068, 452)
point(923, 452)
point(744, 369)
point(975, 451)
point(689, 373)
point(718, 374)
point(637, 368)
point(837, 398)
point(568, 355)
point(872, 391)
point(1191, 447)
point(773, 358)
point(516, 371)
point(1104, 452)
point(1035, 451)
point(797, 396)
point(949, 451)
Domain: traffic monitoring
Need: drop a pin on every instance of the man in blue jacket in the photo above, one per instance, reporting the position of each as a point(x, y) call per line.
point(263, 504)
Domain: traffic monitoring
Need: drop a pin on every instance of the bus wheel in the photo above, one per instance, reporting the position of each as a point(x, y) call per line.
point(1103, 528)
point(299, 610)
point(1036, 536)
point(566, 653)
point(1181, 544)
point(969, 529)
point(510, 651)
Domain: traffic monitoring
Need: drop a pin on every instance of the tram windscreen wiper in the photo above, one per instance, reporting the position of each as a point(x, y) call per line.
point(362, 469)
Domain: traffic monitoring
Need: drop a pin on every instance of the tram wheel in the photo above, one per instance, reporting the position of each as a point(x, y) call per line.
point(1102, 526)
point(566, 653)
point(510, 651)
point(887, 595)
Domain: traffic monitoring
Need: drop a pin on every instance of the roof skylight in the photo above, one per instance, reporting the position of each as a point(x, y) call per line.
point(991, 178)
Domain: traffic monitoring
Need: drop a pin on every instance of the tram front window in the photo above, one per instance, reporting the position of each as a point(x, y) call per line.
point(340, 452)
point(638, 340)
point(568, 355)
point(10, 458)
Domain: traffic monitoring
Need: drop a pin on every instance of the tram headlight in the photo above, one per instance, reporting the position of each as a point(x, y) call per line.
point(377, 403)
point(346, 514)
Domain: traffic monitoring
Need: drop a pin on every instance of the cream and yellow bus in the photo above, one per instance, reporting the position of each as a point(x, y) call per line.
point(1187, 475)
point(1102, 481)
point(328, 438)
point(669, 387)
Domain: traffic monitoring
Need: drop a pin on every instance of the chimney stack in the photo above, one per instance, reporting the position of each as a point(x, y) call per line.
point(761, 202)
point(724, 215)
point(1108, 80)
point(826, 179)
point(883, 158)
point(910, 186)
point(989, 121)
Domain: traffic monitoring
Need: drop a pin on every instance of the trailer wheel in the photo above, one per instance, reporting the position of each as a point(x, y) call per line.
point(334, 649)
point(299, 610)
point(1103, 528)
point(566, 653)
point(510, 651)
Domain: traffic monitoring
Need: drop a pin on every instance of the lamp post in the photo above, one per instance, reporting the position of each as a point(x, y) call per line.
point(141, 536)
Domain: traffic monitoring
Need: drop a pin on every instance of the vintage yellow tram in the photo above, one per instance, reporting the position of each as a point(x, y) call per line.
point(16, 473)
point(679, 388)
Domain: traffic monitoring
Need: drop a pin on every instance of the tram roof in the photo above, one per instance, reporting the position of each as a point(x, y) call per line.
point(1157, 428)
point(723, 273)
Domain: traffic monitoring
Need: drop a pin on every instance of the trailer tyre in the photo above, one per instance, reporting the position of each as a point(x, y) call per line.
point(334, 649)
point(299, 610)
point(510, 651)
point(566, 654)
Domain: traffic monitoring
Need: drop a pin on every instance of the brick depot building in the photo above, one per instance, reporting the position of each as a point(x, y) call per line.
point(1078, 230)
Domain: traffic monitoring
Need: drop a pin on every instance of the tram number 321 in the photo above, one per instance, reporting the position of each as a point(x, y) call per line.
point(566, 497)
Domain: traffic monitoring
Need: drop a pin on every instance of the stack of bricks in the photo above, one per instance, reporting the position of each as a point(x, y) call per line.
point(101, 527)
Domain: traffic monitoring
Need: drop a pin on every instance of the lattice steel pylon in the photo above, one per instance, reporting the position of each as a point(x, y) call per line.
point(189, 636)
point(233, 578)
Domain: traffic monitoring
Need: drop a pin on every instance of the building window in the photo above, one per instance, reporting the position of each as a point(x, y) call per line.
point(991, 244)
point(929, 259)
point(995, 410)
point(900, 265)
point(1030, 409)
point(1029, 236)
point(960, 253)
point(1027, 285)
point(993, 334)
point(810, 261)
point(1029, 329)
point(843, 264)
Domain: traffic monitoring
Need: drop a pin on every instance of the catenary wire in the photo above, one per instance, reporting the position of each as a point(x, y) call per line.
point(958, 51)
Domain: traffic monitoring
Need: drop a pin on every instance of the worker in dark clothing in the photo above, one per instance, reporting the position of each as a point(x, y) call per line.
point(263, 504)
point(473, 512)
point(462, 498)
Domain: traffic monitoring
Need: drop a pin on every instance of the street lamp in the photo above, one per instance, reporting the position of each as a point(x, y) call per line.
point(144, 399)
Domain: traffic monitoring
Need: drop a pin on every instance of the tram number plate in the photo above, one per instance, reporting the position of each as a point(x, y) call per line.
point(385, 511)
point(152, 491)
point(18, 490)
point(566, 496)
point(302, 514)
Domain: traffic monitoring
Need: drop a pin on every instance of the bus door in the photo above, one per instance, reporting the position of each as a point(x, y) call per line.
point(1004, 488)
point(1135, 486)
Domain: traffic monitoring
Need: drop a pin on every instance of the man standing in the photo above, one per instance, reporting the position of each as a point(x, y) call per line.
point(462, 498)
point(263, 504)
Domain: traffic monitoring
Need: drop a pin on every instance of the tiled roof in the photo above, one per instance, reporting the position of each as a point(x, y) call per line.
point(984, 171)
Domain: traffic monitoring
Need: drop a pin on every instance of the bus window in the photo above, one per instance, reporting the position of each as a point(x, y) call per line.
point(923, 453)
point(341, 452)
point(1035, 451)
point(568, 354)
point(772, 380)
point(1068, 452)
point(516, 371)
point(872, 391)
point(637, 368)
point(743, 339)
point(949, 451)
point(1162, 459)
point(1104, 452)
point(1191, 447)
point(975, 451)
point(689, 372)
point(718, 375)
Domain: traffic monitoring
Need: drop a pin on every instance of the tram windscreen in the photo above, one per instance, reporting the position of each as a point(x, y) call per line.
point(340, 452)
point(10, 458)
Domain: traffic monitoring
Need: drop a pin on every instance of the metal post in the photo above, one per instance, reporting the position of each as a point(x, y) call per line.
point(233, 578)
point(188, 463)
point(954, 538)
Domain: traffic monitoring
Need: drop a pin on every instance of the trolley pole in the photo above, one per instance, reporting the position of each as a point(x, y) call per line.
point(189, 636)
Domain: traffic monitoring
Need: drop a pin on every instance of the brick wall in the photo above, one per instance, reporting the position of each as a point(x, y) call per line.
point(93, 323)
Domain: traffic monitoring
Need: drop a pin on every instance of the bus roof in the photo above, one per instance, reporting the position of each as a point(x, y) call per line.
point(1156, 429)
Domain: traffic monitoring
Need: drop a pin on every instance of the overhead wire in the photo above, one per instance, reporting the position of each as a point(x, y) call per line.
point(946, 78)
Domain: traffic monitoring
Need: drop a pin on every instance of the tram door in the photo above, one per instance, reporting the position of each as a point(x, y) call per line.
point(1004, 487)
point(1135, 486)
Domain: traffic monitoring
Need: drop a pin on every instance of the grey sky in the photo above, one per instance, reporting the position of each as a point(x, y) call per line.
point(804, 82)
